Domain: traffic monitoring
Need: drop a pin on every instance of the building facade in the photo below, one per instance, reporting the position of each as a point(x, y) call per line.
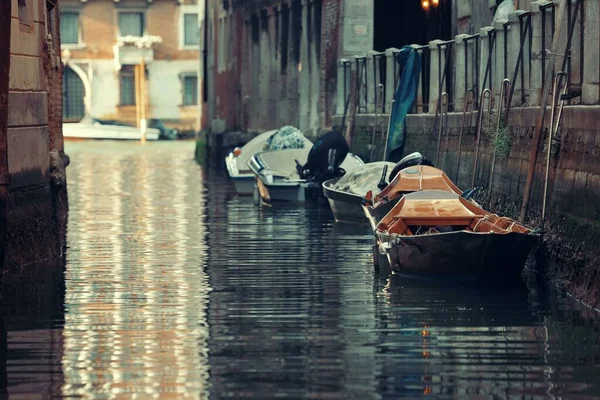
point(33, 196)
point(107, 43)
point(273, 63)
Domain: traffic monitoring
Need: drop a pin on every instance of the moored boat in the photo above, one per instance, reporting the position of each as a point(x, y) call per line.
point(440, 234)
point(274, 140)
point(295, 175)
point(345, 195)
point(408, 180)
point(82, 130)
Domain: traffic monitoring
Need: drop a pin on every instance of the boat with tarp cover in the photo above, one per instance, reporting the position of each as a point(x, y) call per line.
point(438, 233)
point(345, 195)
point(237, 160)
point(297, 174)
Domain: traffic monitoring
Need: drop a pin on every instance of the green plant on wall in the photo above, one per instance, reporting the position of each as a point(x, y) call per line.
point(502, 142)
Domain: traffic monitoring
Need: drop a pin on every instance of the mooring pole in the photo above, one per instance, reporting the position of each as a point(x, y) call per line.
point(539, 125)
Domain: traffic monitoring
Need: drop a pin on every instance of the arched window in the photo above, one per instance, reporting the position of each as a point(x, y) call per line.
point(73, 92)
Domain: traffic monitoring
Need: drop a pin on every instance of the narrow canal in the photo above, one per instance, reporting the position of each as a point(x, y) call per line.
point(174, 287)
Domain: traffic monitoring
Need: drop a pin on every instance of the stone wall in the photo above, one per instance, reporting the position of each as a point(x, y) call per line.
point(571, 246)
point(32, 148)
point(273, 63)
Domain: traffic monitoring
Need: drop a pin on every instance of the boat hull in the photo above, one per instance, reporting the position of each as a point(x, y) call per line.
point(281, 191)
point(244, 184)
point(459, 255)
point(106, 132)
point(346, 207)
point(374, 215)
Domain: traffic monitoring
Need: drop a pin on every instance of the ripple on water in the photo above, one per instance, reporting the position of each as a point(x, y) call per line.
point(174, 287)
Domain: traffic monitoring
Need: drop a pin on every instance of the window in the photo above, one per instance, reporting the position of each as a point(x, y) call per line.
point(191, 32)
point(69, 28)
point(127, 85)
point(131, 23)
point(190, 90)
point(73, 92)
point(24, 12)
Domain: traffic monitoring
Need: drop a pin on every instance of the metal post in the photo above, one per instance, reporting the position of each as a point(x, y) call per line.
point(387, 136)
point(143, 122)
point(553, 131)
point(469, 101)
point(503, 90)
point(378, 102)
point(487, 93)
point(443, 115)
point(540, 121)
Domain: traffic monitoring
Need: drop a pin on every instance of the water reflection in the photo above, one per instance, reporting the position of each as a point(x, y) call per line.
point(136, 286)
point(298, 311)
point(31, 320)
point(175, 287)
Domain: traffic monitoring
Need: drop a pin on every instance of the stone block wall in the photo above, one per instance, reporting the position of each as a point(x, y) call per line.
point(571, 244)
point(33, 201)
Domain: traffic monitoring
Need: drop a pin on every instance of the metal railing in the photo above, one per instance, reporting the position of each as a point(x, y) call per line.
point(475, 63)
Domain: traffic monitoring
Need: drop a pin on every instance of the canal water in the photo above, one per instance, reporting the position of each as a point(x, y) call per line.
point(173, 287)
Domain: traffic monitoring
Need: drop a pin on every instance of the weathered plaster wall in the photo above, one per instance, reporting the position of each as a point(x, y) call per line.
point(272, 63)
point(95, 55)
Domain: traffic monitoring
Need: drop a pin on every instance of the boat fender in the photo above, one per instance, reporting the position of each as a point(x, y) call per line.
point(384, 248)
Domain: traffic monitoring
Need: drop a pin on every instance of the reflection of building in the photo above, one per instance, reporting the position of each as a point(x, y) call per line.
point(137, 294)
point(103, 44)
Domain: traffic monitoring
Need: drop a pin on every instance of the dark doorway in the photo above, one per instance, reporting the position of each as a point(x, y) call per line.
point(400, 23)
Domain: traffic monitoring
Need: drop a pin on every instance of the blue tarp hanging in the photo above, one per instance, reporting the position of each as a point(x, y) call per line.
point(406, 92)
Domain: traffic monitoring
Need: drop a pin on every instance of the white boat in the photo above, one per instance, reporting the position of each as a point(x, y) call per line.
point(278, 178)
point(111, 132)
point(237, 162)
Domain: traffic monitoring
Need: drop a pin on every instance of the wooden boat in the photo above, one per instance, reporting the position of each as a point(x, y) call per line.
point(408, 180)
point(278, 178)
point(345, 195)
point(237, 162)
point(438, 233)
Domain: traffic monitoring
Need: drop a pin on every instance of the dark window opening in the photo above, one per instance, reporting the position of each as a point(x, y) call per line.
point(296, 29)
point(24, 12)
point(127, 86)
point(401, 23)
point(255, 28)
point(190, 90)
point(317, 27)
point(285, 37)
point(264, 21)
